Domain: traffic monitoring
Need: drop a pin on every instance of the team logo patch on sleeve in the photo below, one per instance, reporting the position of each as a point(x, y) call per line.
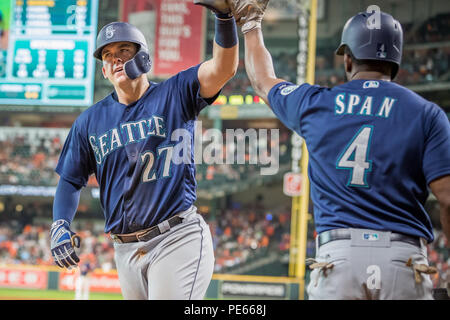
point(289, 89)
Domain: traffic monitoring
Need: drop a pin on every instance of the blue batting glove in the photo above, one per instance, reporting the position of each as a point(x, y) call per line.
point(62, 244)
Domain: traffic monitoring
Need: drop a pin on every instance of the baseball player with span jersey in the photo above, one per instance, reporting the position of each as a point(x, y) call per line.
point(163, 247)
point(374, 148)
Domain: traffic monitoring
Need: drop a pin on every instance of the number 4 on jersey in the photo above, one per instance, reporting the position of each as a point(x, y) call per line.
point(354, 157)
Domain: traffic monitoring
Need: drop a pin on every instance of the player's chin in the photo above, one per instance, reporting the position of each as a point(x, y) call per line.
point(120, 76)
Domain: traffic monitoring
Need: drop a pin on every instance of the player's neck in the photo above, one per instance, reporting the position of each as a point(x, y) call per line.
point(131, 91)
point(369, 75)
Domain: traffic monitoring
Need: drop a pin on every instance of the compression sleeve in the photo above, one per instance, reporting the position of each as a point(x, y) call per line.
point(66, 200)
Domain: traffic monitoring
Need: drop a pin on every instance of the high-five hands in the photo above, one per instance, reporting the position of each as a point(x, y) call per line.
point(248, 13)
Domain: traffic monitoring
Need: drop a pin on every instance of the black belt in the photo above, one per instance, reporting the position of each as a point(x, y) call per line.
point(344, 234)
point(147, 234)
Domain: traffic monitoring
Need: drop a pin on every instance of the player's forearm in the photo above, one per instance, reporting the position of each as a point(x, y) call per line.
point(225, 48)
point(216, 72)
point(66, 200)
point(445, 219)
point(258, 62)
point(225, 61)
point(441, 190)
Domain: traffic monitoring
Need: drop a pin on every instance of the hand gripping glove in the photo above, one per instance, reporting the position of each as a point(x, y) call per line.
point(218, 6)
point(248, 13)
point(62, 244)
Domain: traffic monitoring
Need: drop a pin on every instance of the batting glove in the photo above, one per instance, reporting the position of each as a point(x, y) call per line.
point(219, 7)
point(62, 244)
point(248, 13)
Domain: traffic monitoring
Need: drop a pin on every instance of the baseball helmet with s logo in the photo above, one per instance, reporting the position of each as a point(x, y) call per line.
point(123, 31)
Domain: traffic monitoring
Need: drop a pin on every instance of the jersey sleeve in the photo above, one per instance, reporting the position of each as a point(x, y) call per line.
point(75, 164)
point(188, 85)
point(289, 101)
point(436, 157)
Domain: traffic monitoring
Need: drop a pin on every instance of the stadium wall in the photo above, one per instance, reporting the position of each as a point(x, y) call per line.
point(221, 287)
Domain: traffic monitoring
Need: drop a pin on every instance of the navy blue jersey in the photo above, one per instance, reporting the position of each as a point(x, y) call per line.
point(129, 149)
point(374, 146)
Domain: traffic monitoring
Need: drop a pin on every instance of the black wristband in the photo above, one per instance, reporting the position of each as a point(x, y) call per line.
point(226, 31)
point(224, 16)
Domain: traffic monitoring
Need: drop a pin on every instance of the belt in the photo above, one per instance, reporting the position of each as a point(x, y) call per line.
point(147, 234)
point(344, 234)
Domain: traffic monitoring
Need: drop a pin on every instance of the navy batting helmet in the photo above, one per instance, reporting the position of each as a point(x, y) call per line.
point(117, 32)
point(369, 39)
point(123, 31)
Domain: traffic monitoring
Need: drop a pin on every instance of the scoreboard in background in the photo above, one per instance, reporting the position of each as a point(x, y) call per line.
point(47, 56)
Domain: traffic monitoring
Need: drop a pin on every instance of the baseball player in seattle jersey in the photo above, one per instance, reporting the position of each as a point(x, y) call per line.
point(375, 147)
point(163, 247)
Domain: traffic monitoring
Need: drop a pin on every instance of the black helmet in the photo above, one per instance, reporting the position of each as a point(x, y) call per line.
point(370, 42)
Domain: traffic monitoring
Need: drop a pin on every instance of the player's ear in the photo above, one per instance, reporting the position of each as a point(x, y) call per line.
point(348, 63)
point(104, 72)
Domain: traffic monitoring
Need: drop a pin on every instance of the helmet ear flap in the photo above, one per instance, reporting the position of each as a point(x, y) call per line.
point(140, 64)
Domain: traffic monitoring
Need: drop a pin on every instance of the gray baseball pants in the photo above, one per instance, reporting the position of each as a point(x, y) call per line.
point(365, 269)
point(176, 265)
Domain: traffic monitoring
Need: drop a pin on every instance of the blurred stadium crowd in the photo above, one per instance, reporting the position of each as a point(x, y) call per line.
point(29, 156)
point(241, 235)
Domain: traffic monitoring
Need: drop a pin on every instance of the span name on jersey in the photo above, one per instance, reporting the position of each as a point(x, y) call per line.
point(126, 133)
point(354, 104)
